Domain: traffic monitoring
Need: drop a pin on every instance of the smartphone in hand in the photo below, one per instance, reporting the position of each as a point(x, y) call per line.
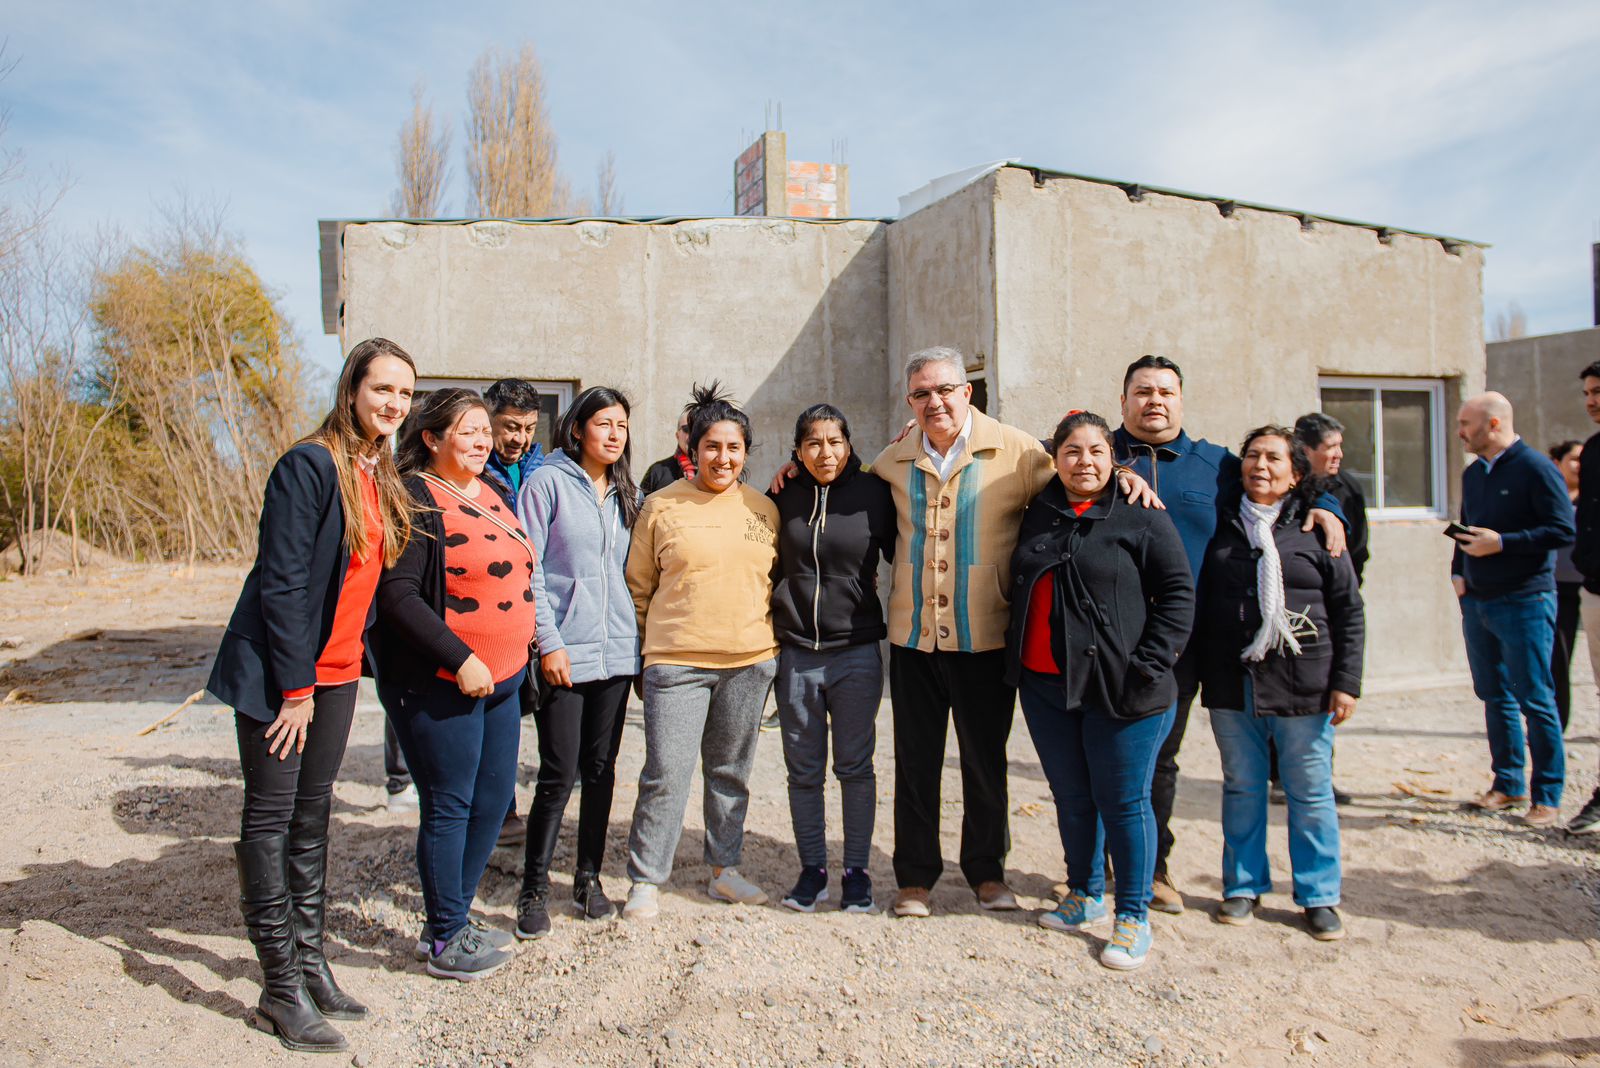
point(1452, 530)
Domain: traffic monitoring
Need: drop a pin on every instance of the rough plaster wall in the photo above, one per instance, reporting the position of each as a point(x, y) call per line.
point(1254, 308)
point(1540, 376)
point(784, 313)
point(941, 281)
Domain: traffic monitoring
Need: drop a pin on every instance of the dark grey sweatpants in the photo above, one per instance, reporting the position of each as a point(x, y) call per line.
point(712, 713)
point(841, 687)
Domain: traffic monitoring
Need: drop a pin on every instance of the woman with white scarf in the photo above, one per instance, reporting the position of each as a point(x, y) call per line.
point(1281, 626)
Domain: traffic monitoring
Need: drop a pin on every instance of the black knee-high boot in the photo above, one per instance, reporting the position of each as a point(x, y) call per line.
point(285, 1008)
point(307, 861)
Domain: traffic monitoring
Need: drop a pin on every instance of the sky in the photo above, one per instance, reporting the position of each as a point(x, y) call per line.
point(1475, 120)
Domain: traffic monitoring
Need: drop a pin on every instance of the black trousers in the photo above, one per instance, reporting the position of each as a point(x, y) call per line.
point(273, 787)
point(580, 731)
point(1567, 606)
point(928, 690)
point(1164, 784)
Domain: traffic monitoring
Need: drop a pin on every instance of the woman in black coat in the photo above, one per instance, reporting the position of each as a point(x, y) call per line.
point(335, 513)
point(1282, 634)
point(1102, 602)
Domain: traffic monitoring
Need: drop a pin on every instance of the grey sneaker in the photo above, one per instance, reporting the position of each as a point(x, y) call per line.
point(493, 935)
point(468, 957)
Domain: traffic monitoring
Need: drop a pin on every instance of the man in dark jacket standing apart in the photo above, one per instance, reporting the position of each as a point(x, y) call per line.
point(1586, 557)
point(1515, 505)
point(1190, 476)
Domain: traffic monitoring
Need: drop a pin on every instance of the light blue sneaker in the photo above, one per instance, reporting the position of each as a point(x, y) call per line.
point(1076, 912)
point(1129, 944)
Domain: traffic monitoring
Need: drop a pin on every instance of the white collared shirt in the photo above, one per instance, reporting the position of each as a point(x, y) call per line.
point(942, 465)
point(1490, 461)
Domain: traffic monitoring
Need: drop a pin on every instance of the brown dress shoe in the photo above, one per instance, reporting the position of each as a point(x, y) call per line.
point(1164, 897)
point(513, 831)
point(1495, 801)
point(1542, 816)
point(996, 896)
point(911, 901)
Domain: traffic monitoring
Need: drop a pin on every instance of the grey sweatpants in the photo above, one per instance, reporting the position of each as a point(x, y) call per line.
point(713, 712)
point(843, 686)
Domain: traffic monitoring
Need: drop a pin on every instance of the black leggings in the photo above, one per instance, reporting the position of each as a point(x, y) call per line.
point(272, 787)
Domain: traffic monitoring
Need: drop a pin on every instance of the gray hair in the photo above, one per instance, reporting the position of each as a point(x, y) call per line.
point(937, 354)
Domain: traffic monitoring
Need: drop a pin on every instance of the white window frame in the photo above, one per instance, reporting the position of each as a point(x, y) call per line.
point(1434, 388)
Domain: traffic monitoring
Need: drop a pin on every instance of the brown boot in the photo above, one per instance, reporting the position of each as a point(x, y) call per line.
point(996, 896)
point(1495, 801)
point(911, 901)
point(1164, 897)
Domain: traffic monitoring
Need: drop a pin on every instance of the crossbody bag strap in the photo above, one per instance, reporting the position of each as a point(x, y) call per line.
point(435, 480)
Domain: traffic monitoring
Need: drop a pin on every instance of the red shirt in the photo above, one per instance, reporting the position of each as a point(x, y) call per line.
point(488, 593)
point(1038, 640)
point(340, 661)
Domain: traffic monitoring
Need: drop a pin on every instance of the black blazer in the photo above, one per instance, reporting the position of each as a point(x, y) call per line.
point(1315, 583)
point(829, 541)
point(285, 611)
point(411, 641)
point(1124, 600)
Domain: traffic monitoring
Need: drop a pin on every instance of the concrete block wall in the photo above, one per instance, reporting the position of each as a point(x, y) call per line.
point(1540, 377)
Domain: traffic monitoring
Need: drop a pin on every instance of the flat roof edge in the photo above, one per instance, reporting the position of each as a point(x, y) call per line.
point(636, 220)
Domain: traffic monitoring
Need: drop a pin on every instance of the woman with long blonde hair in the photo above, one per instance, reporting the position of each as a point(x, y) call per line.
point(335, 513)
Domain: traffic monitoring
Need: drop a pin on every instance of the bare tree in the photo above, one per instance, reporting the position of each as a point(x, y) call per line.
point(421, 161)
point(607, 200)
point(1509, 323)
point(511, 149)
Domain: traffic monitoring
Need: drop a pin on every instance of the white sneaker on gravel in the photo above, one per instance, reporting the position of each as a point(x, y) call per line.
point(644, 902)
point(728, 885)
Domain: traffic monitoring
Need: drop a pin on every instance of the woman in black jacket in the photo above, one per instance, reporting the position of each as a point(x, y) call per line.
point(1102, 602)
point(455, 616)
point(834, 523)
point(333, 516)
point(1282, 634)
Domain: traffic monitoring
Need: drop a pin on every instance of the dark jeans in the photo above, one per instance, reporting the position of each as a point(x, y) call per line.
point(1164, 785)
point(463, 755)
point(1508, 649)
point(396, 775)
point(1099, 769)
point(273, 787)
point(1567, 611)
point(580, 731)
point(928, 691)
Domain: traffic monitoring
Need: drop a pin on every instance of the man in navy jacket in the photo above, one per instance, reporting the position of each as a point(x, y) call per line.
point(1191, 476)
point(1515, 504)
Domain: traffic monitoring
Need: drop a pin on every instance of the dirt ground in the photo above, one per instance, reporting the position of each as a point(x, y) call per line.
point(1472, 940)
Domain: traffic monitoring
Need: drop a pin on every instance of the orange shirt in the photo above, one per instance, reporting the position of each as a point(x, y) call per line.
point(488, 595)
point(340, 661)
point(1038, 640)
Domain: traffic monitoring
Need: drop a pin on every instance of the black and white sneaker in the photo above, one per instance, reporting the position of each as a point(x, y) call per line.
point(1587, 821)
point(468, 956)
point(810, 888)
point(533, 913)
point(855, 895)
point(589, 899)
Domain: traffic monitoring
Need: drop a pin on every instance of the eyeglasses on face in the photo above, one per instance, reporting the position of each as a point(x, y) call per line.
point(920, 396)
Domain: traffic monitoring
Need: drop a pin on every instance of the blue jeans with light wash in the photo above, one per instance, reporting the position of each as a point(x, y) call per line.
point(1508, 649)
point(1305, 763)
point(1099, 769)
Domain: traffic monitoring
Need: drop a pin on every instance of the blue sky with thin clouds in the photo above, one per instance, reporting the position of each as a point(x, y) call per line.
point(1476, 120)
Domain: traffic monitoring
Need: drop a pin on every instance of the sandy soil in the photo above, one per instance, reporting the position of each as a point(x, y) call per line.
point(1472, 941)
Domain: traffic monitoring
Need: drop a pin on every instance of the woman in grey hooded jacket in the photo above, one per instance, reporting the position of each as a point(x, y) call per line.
point(578, 510)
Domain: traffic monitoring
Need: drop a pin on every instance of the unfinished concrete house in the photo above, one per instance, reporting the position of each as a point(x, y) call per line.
point(1050, 283)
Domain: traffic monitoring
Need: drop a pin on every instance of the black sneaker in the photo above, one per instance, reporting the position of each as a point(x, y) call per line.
point(1237, 911)
point(1587, 821)
point(589, 899)
point(810, 888)
point(1324, 924)
point(1342, 799)
point(1275, 794)
point(533, 917)
point(467, 957)
point(855, 894)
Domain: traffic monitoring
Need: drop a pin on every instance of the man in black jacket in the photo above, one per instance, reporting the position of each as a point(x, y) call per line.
point(679, 465)
point(1515, 505)
point(1323, 437)
point(1586, 557)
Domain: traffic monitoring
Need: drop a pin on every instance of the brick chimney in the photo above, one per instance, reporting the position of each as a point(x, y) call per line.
point(767, 182)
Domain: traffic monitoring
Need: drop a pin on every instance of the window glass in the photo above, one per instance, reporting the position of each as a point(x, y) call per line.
point(1353, 408)
point(1407, 465)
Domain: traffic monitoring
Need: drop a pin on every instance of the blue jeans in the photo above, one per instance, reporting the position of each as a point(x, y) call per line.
point(1508, 649)
point(462, 752)
point(1305, 763)
point(1099, 769)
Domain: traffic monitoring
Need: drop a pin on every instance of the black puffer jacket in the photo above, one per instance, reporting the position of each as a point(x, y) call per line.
point(829, 541)
point(1124, 600)
point(1314, 583)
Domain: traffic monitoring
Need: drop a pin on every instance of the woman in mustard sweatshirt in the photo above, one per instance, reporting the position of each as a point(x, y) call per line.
point(700, 570)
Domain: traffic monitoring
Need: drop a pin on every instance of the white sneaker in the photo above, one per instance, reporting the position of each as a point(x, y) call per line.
point(728, 885)
point(404, 801)
point(644, 902)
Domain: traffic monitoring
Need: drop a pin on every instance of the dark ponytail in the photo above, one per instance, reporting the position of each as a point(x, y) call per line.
point(709, 407)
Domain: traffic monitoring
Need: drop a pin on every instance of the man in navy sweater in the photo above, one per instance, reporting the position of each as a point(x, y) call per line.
point(1192, 477)
point(1515, 504)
